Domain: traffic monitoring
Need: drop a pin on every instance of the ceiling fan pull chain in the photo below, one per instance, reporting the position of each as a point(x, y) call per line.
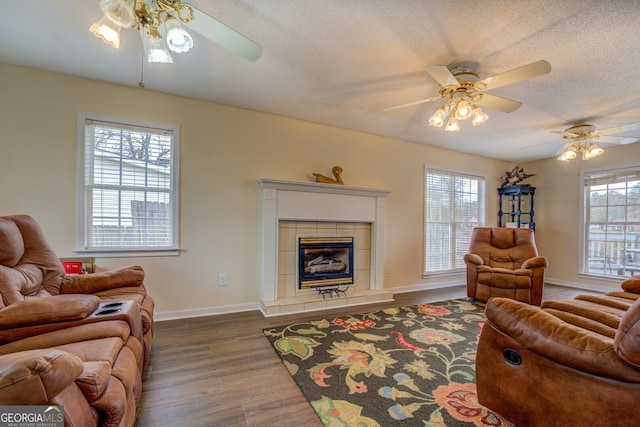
point(141, 82)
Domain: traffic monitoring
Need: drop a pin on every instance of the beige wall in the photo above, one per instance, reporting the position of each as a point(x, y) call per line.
point(224, 150)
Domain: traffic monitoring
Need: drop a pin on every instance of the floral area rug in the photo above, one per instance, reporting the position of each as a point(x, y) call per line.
point(407, 366)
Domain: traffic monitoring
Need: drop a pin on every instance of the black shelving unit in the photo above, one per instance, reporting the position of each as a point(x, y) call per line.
point(517, 198)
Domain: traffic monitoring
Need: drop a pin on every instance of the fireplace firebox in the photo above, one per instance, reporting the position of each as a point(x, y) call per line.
point(325, 261)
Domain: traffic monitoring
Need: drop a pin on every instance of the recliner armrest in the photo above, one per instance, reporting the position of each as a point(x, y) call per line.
point(41, 315)
point(535, 262)
point(547, 335)
point(473, 259)
point(96, 282)
point(44, 310)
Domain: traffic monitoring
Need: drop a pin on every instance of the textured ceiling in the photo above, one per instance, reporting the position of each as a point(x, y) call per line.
point(341, 62)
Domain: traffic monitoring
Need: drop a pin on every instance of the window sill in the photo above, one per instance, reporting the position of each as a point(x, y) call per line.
point(127, 253)
point(447, 273)
point(613, 279)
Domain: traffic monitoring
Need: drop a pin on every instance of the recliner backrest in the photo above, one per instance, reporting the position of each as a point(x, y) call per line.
point(503, 247)
point(29, 268)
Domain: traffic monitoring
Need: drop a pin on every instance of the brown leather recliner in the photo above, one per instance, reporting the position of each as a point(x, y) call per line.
point(566, 363)
point(504, 262)
point(30, 269)
point(81, 342)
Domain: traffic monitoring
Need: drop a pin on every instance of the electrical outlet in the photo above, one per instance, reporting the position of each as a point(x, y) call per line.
point(389, 269)
point(222, 279)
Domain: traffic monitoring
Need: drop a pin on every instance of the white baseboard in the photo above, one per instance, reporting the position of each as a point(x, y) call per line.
point(439, 292)
point(603, 287)
point(208, 311)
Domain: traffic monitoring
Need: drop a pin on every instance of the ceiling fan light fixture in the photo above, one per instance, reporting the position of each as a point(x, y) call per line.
point(463, 110)
point(479, 116)
point(107, 31)
point(158, 52)
point(591, 151)
point(437, 119)
point(569, 152)
point(452, 125)
point(119, 11)
point(178, 39)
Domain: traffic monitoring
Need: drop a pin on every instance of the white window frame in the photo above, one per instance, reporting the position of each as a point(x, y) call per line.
point(83, 246)
point(456, 264)
point(610, 255)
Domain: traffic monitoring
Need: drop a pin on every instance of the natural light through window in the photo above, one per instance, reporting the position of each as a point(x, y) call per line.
point(129, 186)
point(611, 238)
point(454, 205)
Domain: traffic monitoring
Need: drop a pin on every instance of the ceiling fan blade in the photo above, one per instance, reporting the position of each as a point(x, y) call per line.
point(537, 145)
point(224, 36)
point(442, 75)
point(516, 75)
point(620, 129)
point(565, 133)
point(616, 140)
point(498, 103)
point(408, 104)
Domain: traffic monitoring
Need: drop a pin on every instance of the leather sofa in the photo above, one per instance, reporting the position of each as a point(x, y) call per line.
point(82, 341)
point(574, 362)
point(504, 262)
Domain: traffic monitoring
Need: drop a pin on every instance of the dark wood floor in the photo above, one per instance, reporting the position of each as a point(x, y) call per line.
point(221, 370)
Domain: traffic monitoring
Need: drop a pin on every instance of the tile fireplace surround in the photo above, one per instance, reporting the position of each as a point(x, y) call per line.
point(316, 209)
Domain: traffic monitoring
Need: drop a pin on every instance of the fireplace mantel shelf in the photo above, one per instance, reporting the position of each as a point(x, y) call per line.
point(315, 187)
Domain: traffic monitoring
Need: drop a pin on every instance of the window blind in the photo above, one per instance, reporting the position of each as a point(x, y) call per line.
point(454, 204)
point(611, 220)
point(129, 187)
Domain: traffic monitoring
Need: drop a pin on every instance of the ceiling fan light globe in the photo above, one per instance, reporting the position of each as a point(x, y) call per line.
point(107, 31)
point(592, 151)
point(437, 119)
point(452, 125)
point(178, 39)
point(158, 52)
point(463, 110)
point(119, 11)
point(569, 153)
point(479, 116)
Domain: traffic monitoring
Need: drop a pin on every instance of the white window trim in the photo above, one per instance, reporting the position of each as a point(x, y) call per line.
point(174, 250)
point(455, 271)
point(582, 229)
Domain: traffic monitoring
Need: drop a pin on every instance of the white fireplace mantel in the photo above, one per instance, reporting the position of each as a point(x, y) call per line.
point(310, 201)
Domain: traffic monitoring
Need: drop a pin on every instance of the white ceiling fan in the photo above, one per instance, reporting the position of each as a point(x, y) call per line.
point(582, 137)
point(163, 19)
point(465, 93)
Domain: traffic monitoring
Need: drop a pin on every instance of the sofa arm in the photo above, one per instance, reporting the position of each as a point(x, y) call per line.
point(35, 377)
point(632, 284)
point(45, 310)
point(96, 282)
point(544, 334)
point(535, 262)
point(38, 316)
